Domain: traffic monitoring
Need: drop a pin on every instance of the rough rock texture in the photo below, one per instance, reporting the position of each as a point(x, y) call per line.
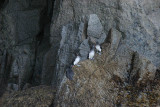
point(95, 29)
point(48, 67)
point(84, 49)
point(101, 82)
point(24, 27)
point(145, 69)
point(135, 19)
point(94, 26)
point(39, 40)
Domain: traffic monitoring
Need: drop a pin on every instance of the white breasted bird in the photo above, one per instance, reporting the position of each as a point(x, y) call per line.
point(91, 53)
point(76, 61)
point(98, 48)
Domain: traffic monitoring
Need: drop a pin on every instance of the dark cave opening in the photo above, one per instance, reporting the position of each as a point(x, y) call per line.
point(3, 3)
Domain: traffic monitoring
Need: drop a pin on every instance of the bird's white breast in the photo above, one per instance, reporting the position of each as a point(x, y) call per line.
point(91, 54)
point(98, 48)
point(76, 60)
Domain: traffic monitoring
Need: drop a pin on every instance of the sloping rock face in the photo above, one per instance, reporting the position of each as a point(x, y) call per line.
point(76, 41)
point(101, 82)
point(39, 40)
point(66, 53)
point(135, 19)
point(21, 49)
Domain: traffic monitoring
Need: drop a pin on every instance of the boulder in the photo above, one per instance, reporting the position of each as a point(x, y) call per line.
point(95, 27)
point(95, 30)
point(84, 49)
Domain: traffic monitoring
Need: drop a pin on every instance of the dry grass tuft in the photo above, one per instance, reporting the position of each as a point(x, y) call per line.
point(40, 96)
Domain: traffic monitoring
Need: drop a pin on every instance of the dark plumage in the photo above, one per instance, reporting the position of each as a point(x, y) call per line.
point(69, 73)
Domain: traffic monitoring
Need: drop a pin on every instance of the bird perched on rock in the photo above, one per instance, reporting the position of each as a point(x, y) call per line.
point(91, 53)
point(69, 73)
point(98, 48)
point(76, 61)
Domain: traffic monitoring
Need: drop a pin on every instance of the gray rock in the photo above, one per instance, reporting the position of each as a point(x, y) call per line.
point(84, 49)
point(12, 87)
point(102, 38)
point(21, 23)
point(31, 25)
point(131, 18)
point(9, 86)
point(154, 17)
point(14, 5)
point(48, 67)
point(3, 63)
point(145, 69)
point(137, 20)
point(82, 32)
point(40, 3)
point(21, 68)
point(95, 30)
point(123, 56)
point(15, 87)
point(94, 26)
point(114, 39)
point(68, 48)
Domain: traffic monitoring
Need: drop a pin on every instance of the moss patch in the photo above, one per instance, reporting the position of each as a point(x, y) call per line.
point(40, 96)
point(140, 96)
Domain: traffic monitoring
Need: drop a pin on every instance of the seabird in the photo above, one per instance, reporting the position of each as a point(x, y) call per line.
point(91, 53)
point(69, 73)
point(98, 48)
point(76, 61)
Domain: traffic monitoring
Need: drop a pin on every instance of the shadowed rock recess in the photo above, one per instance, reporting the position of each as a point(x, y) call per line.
point(39, 40)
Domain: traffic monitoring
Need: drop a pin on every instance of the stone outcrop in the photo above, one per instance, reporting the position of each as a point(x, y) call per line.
point(84, 49)
point(39, 40)
point(100, 82)
point(145, 69)
point(23, 25)
point(95, 29)
point(67, 51)
point(134, 19)
point(77, 41)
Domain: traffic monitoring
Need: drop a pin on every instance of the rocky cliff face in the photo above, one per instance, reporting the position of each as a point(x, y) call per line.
point(118, 77)
point(40, 39)
point(24, 41)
